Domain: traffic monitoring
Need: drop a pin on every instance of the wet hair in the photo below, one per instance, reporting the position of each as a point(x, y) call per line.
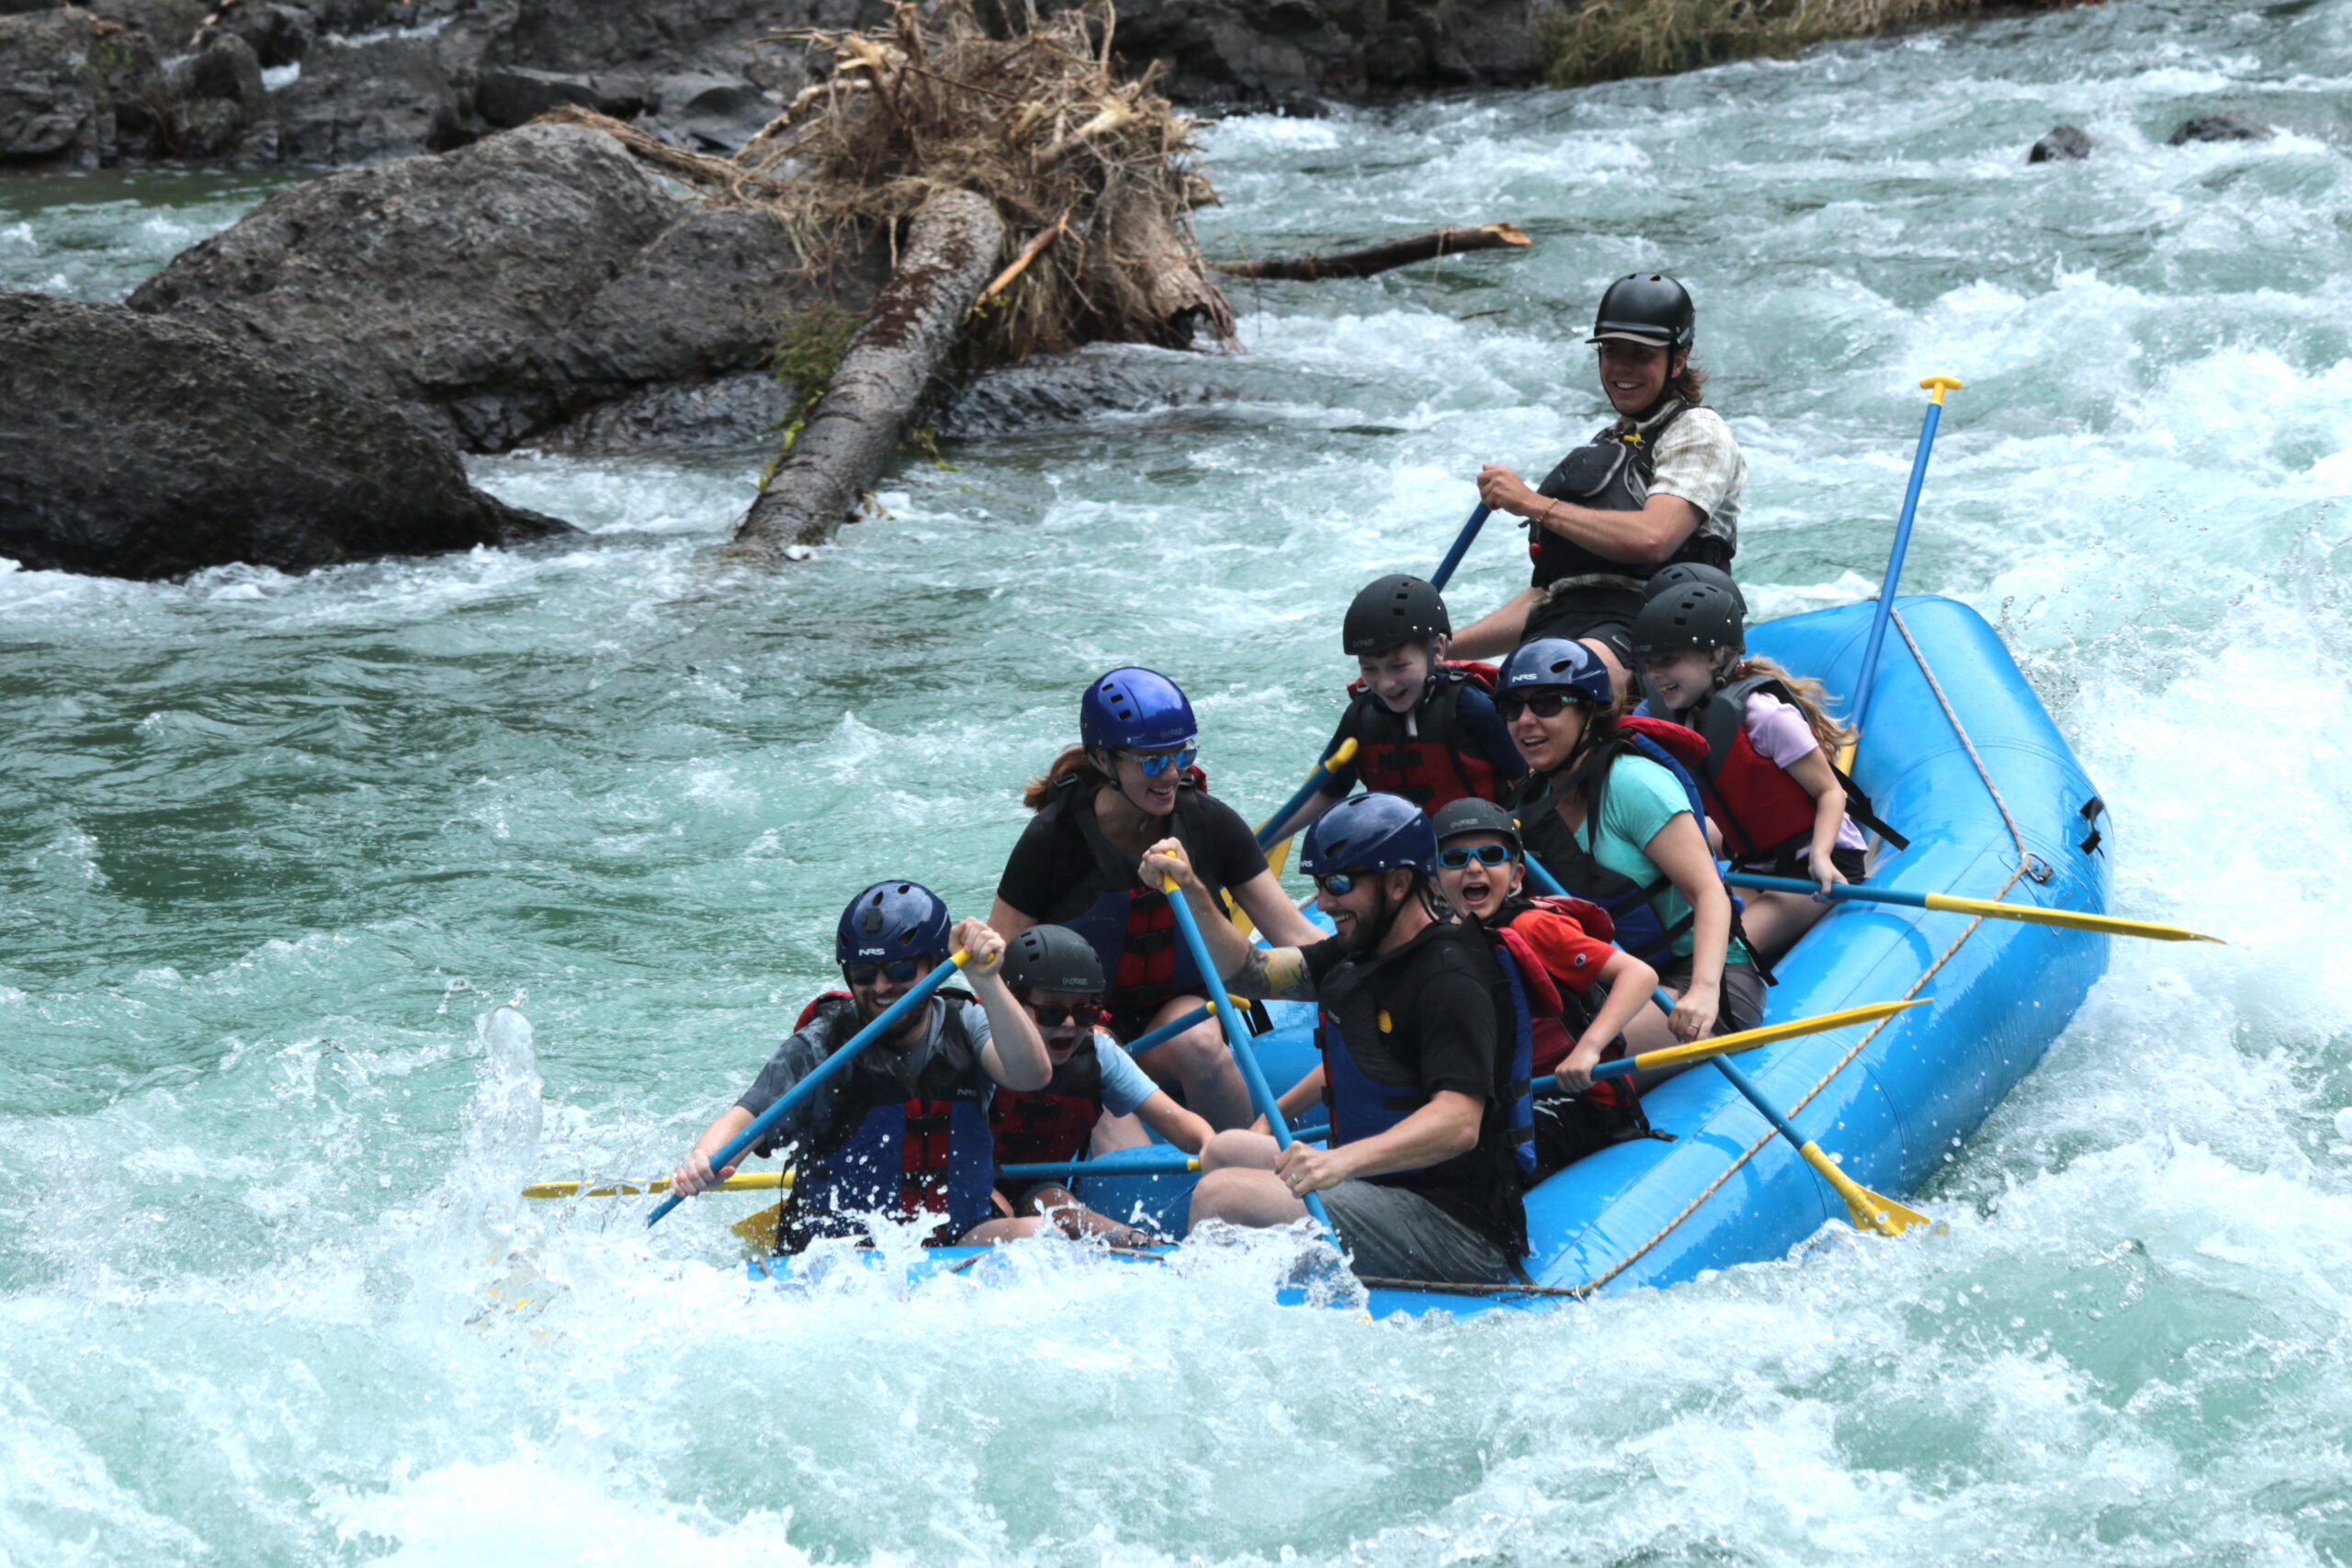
point(1690, 386)
point(1812, 698)
point(1072, 761)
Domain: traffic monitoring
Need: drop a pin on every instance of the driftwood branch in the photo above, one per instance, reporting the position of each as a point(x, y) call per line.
point(1029, 252)
point(951, 243)
point(700, 168)
point(1382, 257)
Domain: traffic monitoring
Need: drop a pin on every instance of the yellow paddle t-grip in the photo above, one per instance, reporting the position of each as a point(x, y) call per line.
point(1937, 386)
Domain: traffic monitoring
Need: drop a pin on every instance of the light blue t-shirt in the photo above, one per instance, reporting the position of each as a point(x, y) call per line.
point(1125, 1086)
point(1641, 798)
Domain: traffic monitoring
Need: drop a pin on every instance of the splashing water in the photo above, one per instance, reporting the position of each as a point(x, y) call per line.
point(268, 844)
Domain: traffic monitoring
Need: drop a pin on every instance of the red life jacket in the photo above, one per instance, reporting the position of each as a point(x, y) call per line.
point(1760, 810)
point(1130, 927)
point(1056, 1122)
point(1427, 765)
point(1617, 1099)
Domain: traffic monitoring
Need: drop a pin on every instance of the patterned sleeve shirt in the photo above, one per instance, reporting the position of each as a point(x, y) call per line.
point(1698, 460)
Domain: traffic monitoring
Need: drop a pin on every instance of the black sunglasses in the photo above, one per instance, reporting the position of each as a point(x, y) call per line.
point(899, 971)
point(1485, 854)
point(1544, 705)
point(1087, 1015)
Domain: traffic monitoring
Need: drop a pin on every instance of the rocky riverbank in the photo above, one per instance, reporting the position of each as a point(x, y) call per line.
point(326, 81)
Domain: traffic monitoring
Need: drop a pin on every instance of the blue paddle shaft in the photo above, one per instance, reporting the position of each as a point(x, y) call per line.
point(1895, 566)
point(1167, 1032)
point(1756, 1098)
point(798, 1094)
point(1244, 1054)
point(1148, 1162)
point(1270, 831)
point(1444, 573)
point(1836, 892)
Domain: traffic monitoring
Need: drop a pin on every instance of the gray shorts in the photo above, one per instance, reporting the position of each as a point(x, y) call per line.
point(1740, 1005)
point(1391, 1234)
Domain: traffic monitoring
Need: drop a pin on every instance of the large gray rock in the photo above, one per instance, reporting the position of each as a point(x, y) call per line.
point(498, 291)
point(49, 107)
point(2061, 144)
point(2231, 127)
point(358, 102)
point(133, 446)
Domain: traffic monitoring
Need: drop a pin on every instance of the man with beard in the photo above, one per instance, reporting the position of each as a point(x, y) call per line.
point(1417, 1033)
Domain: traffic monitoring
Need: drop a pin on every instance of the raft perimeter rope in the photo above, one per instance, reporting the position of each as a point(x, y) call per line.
point(2028, 865)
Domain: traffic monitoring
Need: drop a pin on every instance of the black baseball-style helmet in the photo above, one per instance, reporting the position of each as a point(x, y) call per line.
point(1392, 611)
point(1701, 616)
point(1645, 307)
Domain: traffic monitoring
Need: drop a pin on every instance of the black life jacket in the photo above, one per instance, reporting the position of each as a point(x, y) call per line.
point(1056, 1122)
point(896, 1143)
point(1611, 473)
point(1427, 764)
point(1371, 1086)
point(1763, 812)
point(1129, 926)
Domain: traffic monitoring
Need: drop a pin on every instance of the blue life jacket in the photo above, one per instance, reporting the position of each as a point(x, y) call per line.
point(1370, 1089)
point(895, 1145)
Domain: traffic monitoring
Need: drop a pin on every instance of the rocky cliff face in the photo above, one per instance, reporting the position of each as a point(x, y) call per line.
point(330, 82)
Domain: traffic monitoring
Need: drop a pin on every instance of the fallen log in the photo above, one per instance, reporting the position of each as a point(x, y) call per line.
point(1382, 257)
point(952, 242)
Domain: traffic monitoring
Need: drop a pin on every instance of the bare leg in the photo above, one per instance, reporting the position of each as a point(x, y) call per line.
point(988, 1232)
point(1239, 1184)
point(1773, 921)
point(1199, 1065)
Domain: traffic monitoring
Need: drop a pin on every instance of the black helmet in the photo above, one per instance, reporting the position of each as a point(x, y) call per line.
point(1392, 611)
point(1647, 307)
point(1472, 815)
point(1684, 573)
point(1701, 616)
point(1052, 958)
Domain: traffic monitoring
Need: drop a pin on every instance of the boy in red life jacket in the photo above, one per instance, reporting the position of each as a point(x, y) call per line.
point(1098, 1099)
point(1561, 943)
point(1781, 805)
point(1424, 729)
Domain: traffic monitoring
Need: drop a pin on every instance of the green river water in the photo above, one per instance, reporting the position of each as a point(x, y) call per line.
point(273, 848)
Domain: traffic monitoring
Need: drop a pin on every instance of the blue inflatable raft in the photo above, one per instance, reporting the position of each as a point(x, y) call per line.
point(1962, 756)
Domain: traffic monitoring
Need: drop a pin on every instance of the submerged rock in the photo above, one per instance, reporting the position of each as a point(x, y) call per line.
point(2231, 127)
point(2063, 144)
point(497, 292)
point(133, 446)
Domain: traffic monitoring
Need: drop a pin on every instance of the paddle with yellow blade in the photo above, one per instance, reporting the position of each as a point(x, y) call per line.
point(1745, 1040)
point(743, 1181)
point(800, 1093)
point(2032, 914)
point(1935, 387)
point(1870, 1210)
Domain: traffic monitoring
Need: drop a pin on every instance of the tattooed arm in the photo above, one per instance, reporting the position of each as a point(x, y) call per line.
point(1248, 969)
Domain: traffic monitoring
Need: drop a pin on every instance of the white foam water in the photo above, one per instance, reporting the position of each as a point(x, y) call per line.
point(338, 906)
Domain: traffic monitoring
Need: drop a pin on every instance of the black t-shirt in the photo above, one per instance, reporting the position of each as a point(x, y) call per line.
point(1053, 873)
point(1449, 1010)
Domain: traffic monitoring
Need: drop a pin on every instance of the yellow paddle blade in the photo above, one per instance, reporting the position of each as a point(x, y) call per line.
point(743, 1181)
point(2072, 919)
point(1750, 1039)
point(1870, 1210)
point(760, 1229)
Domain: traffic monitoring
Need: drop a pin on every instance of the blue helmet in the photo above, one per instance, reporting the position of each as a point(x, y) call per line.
point(1135, 708)
point(1369, 833)
point(1558, 662)
point(891, 920)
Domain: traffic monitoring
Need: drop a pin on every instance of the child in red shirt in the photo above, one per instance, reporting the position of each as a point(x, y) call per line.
point(1481, 869)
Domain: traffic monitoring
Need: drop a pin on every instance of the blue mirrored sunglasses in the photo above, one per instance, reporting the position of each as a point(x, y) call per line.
point(1154, 764)
point(1338, 884)
point(1485, 854)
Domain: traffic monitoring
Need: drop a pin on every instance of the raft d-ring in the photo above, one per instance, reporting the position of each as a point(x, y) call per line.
point(2037, 868)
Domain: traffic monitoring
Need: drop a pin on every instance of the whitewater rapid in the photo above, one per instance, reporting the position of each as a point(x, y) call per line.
point(333, 908)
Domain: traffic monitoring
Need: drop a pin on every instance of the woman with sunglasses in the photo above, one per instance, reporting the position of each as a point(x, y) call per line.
point(1581, 991)
point(1098, 1101)
point(1605, 813)
point(1129, 783)
point(904, 1130)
